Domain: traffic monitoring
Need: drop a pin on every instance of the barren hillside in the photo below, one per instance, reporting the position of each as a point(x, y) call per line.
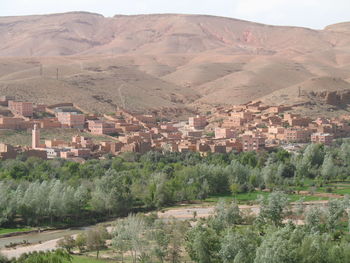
point(168, 61)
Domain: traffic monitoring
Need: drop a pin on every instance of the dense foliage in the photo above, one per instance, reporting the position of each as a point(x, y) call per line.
point(35, 191)
point(230, 235)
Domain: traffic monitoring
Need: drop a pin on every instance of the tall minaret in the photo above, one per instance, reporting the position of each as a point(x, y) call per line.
point(35, 137)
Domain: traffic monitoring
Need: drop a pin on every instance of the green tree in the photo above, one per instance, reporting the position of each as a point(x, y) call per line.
point(273, 208)
point(144, 258)
point(175, 231)
point(67, 242)
point(96, 239)
point(226, 215)
point(7, 203)
point(335, 212)
point(57, 256)
point(121, 240)
point(314, 154)
point(328, 169)
point(4, 259)
point(129, 235)
point(319, 248)
point(280, 246)
point(239, 247)
point(238, 173)
point(203, 245)
point(161, 240)
point(112, 194)
point(346, 204)
point(313, 218)
point(80, 241)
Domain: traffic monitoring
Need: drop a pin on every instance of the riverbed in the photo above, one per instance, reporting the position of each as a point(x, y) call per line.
point(47, 240)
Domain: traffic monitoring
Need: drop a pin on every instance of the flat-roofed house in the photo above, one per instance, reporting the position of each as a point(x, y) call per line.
point(100, 127)
point(71, 119)
point(324, 138)
point(21, 108)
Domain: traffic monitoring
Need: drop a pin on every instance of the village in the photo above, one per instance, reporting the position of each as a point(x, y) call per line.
point(249, 127)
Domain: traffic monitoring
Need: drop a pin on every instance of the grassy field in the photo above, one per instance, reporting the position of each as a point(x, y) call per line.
point(340, 188)
point(243, 198)
point(336, 188)
point(252, 197)
point(24, 138)
point(12, 230)
point(345, 191)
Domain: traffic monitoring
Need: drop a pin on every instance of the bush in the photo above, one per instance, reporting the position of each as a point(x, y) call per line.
point(3, 259)
point(67, 242)
point(329, 189)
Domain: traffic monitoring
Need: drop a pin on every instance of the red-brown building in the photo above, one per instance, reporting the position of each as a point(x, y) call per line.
point(325, 138)
point(100, 127)
point(49, 123)
point(21, 108)
point(139, 147)
point(7, 152)
point(296, 135)
point(216, 148)
point(202, 147)
point(187, 146)
point(71, 119)
point(246, 115)
point(234, 122)
point(14, 123)
point(128, 127)
point(224, 133)
point(296, 120)
point(4, 100)
point(234, 145)
point(198, 122)
point(83, 152)
point(194, 134)
point(252, 143)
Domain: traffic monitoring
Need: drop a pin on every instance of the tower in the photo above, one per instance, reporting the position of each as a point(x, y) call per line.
point(35, 137)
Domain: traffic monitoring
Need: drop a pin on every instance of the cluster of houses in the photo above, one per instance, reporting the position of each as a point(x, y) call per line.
point(20, 115)
point(276, 126)
point(249, 127)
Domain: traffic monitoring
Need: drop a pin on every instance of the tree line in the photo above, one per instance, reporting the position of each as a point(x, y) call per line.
point(36, 192)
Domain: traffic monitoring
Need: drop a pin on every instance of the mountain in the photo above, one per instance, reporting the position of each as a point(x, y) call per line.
point(167, 61)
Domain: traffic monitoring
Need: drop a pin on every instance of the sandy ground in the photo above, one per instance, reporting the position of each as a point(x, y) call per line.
point(202, 212)
point(16, 252)
point(44, 246)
